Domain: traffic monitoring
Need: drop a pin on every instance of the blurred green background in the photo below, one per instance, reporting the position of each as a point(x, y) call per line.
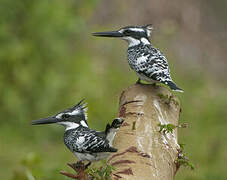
point(49, 61)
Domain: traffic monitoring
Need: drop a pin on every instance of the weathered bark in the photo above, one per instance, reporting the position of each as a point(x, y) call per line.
point(143, 152)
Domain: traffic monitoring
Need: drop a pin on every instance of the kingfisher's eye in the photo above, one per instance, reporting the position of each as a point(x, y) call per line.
point(65, 116)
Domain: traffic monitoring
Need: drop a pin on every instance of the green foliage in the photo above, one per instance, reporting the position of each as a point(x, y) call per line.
point(167, 99)
point(101, 173)
point(166, 128)
point(182, 146)
point(134, 125)
point(182, 159)
point(185, 162)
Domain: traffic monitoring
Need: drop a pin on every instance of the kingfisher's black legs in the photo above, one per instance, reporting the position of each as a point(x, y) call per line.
point(80, 164)
point(138, 81)
point(87, 165)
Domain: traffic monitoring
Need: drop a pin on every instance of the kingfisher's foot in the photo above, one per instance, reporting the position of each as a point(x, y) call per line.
point(87, 165)
point(138, 81)
point(78, 165)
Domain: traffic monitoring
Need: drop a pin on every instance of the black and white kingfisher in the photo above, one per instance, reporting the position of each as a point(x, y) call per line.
point(85, 143)
point(149, 62)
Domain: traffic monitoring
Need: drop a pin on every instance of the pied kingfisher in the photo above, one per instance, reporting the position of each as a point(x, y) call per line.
point(85, 143)
point(149, 62)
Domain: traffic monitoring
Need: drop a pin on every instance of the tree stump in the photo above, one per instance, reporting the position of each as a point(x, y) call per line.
point(144, 153)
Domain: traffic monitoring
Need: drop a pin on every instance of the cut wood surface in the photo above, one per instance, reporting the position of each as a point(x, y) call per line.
point(143, 152)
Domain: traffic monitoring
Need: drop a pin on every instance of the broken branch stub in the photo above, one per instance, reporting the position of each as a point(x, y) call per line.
point(144, 152)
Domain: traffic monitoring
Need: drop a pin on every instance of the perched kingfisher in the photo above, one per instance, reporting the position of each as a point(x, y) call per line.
point(149, 62)
point(85, 143)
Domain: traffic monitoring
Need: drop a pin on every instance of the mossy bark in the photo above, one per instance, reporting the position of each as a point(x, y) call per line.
point(143, 152)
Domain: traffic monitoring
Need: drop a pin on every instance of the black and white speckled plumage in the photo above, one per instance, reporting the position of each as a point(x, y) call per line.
point(87, 141)
point(149, 62)
point(83, 139)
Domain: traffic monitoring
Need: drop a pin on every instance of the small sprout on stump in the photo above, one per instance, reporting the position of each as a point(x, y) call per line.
point(94, 173)
point(102, 173)
point(182, 146)
point(166, 128)
point(182, 159)
point(134, 125)
point(168, 99)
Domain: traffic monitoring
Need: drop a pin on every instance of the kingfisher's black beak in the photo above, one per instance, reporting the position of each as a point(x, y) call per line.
point(48, 120)
point(108, 34)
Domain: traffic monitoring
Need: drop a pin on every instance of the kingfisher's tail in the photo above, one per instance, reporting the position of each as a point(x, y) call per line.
point(173, 86)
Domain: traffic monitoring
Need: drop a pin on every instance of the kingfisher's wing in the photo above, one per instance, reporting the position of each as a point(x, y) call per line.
point(153, 64)
point(85, 140)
